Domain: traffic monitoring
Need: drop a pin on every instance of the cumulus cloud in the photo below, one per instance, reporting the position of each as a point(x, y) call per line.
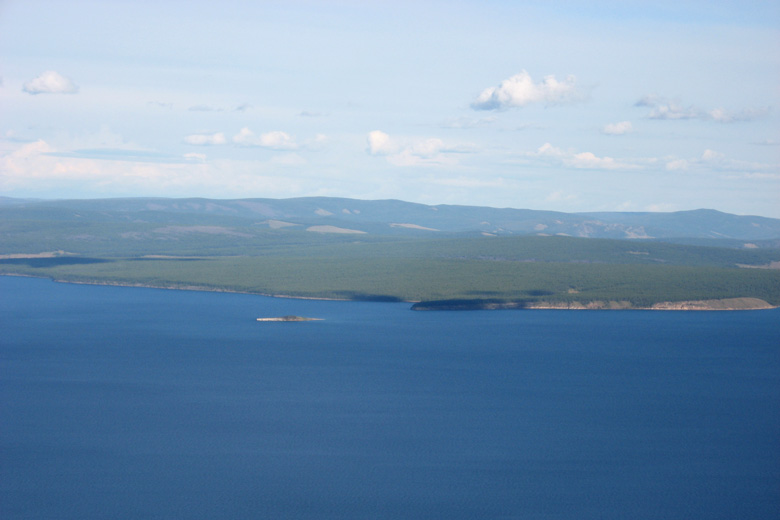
point(50, 82)
point(621, 128)
point(665, 109)
point(379, 143)
point(579, 160)
point(520, 90)
point(276, 140)
point(205, 139)
point(412, 151)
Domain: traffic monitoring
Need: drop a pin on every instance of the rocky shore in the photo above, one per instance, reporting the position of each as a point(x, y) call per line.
point(289, 318)
point(727, 304)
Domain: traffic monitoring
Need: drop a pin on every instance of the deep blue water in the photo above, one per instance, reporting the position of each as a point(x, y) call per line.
point(143, 403)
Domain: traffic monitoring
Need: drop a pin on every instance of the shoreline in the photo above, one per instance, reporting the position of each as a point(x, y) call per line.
point(201, 288)
point(724, 304)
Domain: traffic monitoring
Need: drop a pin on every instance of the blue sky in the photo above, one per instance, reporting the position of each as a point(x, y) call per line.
point(558, 105)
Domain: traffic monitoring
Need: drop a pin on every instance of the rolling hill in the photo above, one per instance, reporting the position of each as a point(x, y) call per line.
point(394, 250)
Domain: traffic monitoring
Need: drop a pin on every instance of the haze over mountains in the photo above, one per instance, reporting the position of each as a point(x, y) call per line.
point(327, 215)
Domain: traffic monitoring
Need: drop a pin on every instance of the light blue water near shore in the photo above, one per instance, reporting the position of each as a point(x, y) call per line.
point(142, 403)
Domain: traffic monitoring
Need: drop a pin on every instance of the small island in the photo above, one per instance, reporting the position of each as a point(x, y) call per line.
point(289, 318)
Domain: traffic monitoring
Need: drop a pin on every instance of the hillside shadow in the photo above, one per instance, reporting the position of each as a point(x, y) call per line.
point(366, 297)
point(53, 262)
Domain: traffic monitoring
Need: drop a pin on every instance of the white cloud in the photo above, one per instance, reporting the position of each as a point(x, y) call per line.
point(711, 155)
point(520, 90)
point(41, 168)
point(581, 160)
point(36, 164)
point(413, 151)
point(379, 143)
point(620, 128)
point(588, 160)
point(662, 108)
point(427, 147)
point(205, 139)
point(50, 82)
point(674, 111)
point(25, 152)
point(677, 164)
point(276, 140)
point(722, 116)
point(711, 161)
point(197, 157)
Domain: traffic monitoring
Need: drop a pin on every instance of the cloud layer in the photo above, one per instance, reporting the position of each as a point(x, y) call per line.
point(662, 108)
point(520, 90)
point(276, 140)
point(50, 82)
point(581, 160)
point(621, 128)
point(430, 151)
point(205, 139)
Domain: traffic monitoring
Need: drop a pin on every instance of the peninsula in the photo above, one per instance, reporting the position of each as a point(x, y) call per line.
point(439, 257)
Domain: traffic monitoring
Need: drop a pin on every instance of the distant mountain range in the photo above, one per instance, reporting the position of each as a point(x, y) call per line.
point(399, 218)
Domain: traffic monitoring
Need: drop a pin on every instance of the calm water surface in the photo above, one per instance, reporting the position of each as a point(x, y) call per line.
point(141, 403)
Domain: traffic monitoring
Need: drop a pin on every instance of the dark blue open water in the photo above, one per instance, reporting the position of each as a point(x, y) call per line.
point(141, 403)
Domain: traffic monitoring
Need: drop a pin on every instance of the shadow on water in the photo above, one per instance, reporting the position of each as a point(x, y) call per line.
point(53, 261)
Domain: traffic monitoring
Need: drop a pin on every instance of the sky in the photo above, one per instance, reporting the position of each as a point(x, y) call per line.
point(560, 105)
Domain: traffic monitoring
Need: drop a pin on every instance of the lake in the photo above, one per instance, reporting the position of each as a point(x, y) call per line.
point(135, 403)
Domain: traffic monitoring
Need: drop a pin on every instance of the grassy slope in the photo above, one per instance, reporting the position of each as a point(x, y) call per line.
point(239, 255)
point(415, 279)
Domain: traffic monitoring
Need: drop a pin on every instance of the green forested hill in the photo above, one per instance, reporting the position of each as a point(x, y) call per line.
point(151, 243)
